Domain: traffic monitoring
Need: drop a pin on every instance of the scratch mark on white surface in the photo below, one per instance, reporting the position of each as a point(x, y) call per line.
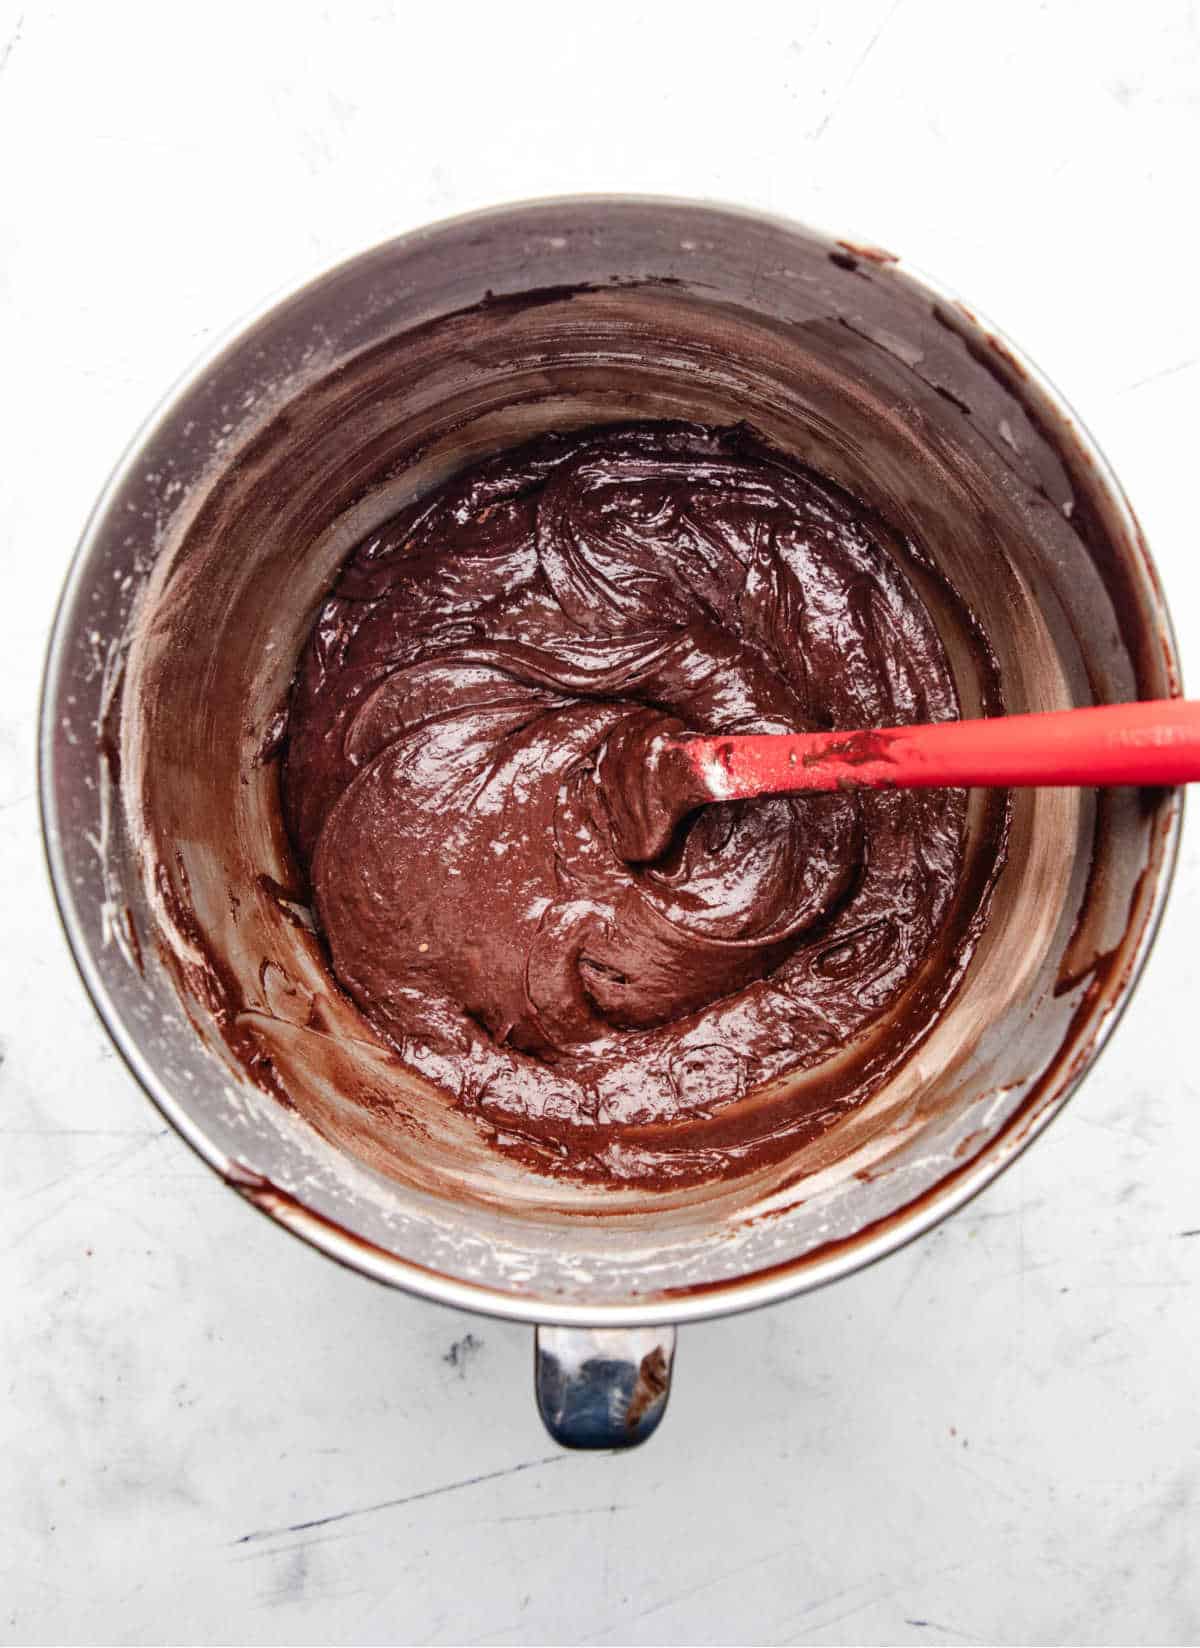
point(946, 1630)
point(260, 1534)
point(606, 1576)
point(299, 1545)
point(857, 1588)
point(554, 1516)
point(1023, 1265)
point(500, 1631)
point(1007, 1212)
point(847, 1613)
point(823, 1602)
point(92, 1174)
point(696, 1590)
point(1025, 1269)
point(83, 1133)
point(986, 1480)
point(10, 45)
point(854, 73)
point(1164, 372)
point(1113, 1282)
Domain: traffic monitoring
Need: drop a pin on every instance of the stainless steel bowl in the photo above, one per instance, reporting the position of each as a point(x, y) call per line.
point(337, 400)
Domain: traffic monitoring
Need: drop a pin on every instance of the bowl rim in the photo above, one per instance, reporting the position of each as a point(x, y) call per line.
point(818, 1267)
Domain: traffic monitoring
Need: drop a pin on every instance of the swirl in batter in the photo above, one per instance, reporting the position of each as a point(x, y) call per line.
point(467, 729)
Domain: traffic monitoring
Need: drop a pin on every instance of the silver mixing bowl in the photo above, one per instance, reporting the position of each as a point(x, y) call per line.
point(219, 532)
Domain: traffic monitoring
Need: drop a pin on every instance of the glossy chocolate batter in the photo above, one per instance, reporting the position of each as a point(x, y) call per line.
point(468, 730)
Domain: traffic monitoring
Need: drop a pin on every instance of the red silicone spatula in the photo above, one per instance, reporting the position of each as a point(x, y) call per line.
point(1145, 743)
point(1154, 742)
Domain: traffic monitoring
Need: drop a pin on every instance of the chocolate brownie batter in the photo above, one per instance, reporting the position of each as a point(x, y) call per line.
point(468, 730)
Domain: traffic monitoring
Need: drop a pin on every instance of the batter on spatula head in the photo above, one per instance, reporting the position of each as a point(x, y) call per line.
point(538, 621)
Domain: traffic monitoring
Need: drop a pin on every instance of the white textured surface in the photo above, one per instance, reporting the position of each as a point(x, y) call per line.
point(994, 1435)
